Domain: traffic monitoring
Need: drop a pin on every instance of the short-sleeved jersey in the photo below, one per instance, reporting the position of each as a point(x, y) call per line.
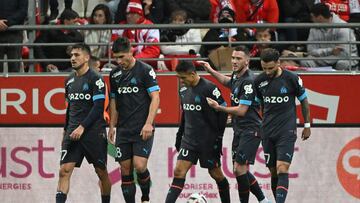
point(243, 92)
point(131, 89)
point(277, 95)
point(80, 93)
point(202, 125)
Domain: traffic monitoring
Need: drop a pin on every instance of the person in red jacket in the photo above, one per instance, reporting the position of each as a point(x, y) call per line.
point(253, 11)
point(135, 15)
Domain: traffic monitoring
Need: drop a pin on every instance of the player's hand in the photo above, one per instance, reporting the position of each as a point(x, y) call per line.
point(52, 68)
point(76, 134)
point(206, 65)
point(147, 131)
point(111, 135)
point(3, 25)
point(305, 133)
point(212, 103)
point(337, 50)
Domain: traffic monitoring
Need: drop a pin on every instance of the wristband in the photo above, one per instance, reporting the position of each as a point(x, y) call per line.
point(307, 125)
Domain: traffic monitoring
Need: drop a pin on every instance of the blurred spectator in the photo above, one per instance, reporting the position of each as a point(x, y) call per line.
point(338, 7)
point(135, 15)
point(67, 17)
point(153, 10)
point(295, 11)
point(198, 10)
point(320, 13)
point(355, 18)
point(100, 15)
point(113, 6)
point(226, 15)
point(54, 5)
point(253, 11)
point(216, 6)
point(261, 35)
point(181, 35)
point(11, 13)
point(95, 63)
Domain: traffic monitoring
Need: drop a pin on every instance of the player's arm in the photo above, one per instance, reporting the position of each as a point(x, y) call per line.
point(113, 120)
point(148, 128)
point(223, 79)
point(180, 132)
point(239, 110)
point(305, 109)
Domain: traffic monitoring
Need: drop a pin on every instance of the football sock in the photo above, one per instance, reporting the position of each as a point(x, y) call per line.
point(60, 197)
point(243, 188)
point(282, 187)
point(144, 182)
point(224, 192)
point(254, 187)
point(175, 190)
point(274, 182)
point(128, 188)
point(105, 198)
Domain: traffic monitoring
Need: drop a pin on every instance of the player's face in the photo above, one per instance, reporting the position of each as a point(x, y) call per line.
point(270, 68)
point(186, 79)
point(124, 59)
point(78, 58)
point(239, 60)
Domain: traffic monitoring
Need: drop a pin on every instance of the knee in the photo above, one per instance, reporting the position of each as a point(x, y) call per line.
point(216, 174)
point(282, 168)
point(64, 172)
point(178, 173)
point(240, 169)
point(140, 168)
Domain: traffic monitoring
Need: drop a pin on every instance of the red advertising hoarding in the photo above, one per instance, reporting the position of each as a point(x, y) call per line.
point(39, 100)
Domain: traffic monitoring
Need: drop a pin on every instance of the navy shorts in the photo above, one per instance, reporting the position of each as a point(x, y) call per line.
point(92, 146)
point(125, 151)
point(206, 159)
point(280, 147)
point(245, 145)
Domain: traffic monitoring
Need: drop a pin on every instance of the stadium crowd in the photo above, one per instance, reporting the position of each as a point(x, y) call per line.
point(184, 12)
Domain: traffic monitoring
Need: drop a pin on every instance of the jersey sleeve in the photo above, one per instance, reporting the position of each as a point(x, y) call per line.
point(247, 93)
point(150, 81)
point(112, 85)
point(300, 91)
point(258, 96)
point(99, 89)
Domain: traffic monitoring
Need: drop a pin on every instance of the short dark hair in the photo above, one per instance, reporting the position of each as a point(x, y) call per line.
point(68, 14)
point(321, 9)
point(121, 44)
point(243, 49)
point(185, 67)
point(105, 9)
point(83, 47)
point(269, 54)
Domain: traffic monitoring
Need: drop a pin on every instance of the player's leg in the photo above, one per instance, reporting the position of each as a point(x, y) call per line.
point(124, 156)
point(65, 172)
point(105, 184)
point(222, 183)
point(270, 160)
point(186, 159)
point(71, 157)
point(285, 150)
point(142, 151)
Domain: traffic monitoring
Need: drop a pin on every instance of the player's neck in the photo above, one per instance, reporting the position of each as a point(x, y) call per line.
point(241, 72)
point(196, 81)
point(82, 70)
point(278, 72)
point(131, 65)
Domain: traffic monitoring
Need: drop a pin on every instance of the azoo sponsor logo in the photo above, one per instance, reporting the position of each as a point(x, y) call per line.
point(191, 107)
point(79, 96)
point(127, 90)
point(276, 100)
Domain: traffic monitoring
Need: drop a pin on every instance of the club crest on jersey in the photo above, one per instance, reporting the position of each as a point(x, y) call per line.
point(197, 99)
point(85, 87)
point(116, 74)
point(283, 90)
point(133, 81)
point(216, 93)
point(100, 83)
point(248, 89)
point(263, 84)
point(152, 74)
